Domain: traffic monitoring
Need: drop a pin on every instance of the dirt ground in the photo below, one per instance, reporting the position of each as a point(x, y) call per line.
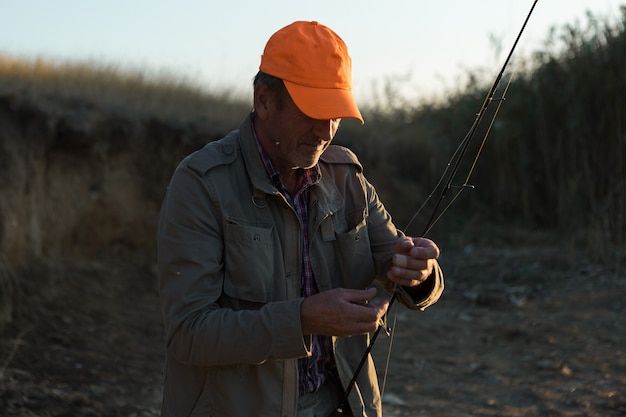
point(529, 331)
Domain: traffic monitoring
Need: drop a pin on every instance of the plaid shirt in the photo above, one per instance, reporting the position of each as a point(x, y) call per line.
point(312, 370)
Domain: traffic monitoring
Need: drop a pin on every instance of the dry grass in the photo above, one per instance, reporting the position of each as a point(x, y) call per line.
point(123, 91)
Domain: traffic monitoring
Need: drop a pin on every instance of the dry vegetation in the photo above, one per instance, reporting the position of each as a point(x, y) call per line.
point(122, 91)
point(555, 156)
point(532, 323)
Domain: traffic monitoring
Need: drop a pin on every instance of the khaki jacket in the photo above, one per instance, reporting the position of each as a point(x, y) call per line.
point(229, 257)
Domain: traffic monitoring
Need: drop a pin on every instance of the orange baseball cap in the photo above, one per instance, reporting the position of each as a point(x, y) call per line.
point(314, 64)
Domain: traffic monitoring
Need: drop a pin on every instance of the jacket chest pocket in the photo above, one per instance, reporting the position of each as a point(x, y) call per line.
point(355, 257)
point(249, 263)
point(346, 236)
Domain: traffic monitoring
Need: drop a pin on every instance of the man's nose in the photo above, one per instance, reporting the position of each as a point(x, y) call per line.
point(325, 129)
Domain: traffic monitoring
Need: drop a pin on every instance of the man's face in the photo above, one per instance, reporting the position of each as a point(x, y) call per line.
point(291, 138)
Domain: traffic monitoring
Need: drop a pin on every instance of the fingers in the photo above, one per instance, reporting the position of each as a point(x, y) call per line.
point(341, 312)
point(413, 261)
point(424, 249)
point(413, 273)
point(359, 296)
point(378, 311)
point(364, 310)
point(404, 244)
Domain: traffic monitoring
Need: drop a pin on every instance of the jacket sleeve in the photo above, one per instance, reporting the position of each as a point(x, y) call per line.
point(190, 251)
point(425, 294)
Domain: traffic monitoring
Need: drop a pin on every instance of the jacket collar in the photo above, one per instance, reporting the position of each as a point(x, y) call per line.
point(252, 159)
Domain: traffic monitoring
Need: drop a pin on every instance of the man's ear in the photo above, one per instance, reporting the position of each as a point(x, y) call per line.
point(263, 100)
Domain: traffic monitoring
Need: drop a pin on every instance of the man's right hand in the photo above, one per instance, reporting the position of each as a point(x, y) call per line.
point(341, 312)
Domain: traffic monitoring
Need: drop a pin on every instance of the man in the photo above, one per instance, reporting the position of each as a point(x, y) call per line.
point(269, 242)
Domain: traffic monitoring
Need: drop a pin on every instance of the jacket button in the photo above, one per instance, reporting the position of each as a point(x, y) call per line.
point(357, 237)
point(227, 149)
point(288, 274)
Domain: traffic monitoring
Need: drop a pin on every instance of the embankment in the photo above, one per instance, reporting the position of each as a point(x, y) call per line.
point(78, 181)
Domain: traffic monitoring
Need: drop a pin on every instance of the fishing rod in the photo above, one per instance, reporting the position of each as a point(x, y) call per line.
point(436, 214)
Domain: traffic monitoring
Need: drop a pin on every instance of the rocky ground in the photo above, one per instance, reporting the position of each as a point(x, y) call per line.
point(526, 331)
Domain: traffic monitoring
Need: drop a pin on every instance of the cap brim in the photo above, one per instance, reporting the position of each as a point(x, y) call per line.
point(324, 103)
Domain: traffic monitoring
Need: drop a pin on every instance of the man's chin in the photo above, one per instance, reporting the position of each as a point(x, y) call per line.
point(310, 162)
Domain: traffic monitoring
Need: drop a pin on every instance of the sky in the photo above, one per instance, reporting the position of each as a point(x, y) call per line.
point(423, 45)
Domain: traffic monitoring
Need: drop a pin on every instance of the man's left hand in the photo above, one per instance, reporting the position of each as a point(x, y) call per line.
point(413, 262)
